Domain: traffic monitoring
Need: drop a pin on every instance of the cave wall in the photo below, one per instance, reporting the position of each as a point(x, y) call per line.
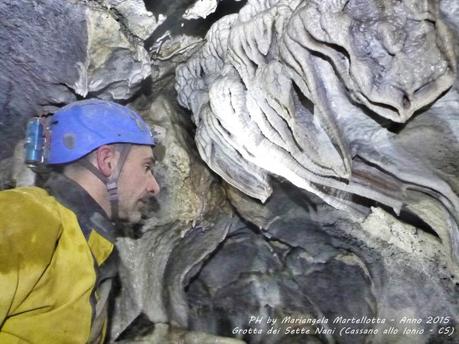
point(307, 156)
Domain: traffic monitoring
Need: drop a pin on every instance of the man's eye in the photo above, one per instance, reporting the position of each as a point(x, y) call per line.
point(148, 168)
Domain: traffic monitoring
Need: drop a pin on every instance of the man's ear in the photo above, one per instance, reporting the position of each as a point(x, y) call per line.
point(106, 159)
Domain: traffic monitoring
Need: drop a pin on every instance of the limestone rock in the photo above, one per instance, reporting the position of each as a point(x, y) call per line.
point(394, 58)
point(381, 268)
point(140, 22)
point(302, 90)
point(54, 52)
point(115, 67)
point(200, 9)
point(37, 73)
point(188, 220)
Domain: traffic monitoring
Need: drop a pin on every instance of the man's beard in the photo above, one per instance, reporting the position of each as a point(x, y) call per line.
point(133, 214)
point(128, 223)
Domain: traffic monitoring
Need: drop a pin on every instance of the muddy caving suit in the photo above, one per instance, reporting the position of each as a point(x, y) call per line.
point(57, 264)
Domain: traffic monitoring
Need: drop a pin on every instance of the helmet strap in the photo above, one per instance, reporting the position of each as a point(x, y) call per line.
point(93, 169)
point(111, 183)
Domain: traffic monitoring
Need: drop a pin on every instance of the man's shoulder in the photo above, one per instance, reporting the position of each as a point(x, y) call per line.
point(25, 191)
point(31, 196)
point(30, 207)
point(31, 225)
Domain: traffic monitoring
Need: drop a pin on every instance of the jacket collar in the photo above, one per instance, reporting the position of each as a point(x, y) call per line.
point(89, 213)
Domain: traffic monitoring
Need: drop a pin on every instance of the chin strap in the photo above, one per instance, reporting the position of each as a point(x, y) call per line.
point(111, 183)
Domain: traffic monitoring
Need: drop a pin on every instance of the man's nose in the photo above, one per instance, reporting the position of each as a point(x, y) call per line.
point(153, 186)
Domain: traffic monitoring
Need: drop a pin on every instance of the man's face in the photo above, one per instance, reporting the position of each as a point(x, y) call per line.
point(136, 183)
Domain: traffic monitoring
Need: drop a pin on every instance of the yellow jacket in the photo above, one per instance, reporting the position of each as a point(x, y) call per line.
point(49, 271)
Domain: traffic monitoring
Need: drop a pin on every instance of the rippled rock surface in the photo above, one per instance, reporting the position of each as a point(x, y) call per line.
point(304, 90)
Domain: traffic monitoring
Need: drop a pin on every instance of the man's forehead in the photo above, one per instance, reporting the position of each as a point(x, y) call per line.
point(144, 152)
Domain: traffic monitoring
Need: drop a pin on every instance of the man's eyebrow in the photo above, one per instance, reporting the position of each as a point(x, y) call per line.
point(150, 160)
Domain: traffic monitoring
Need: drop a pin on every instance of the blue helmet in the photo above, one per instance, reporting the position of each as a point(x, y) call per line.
point(80, 127)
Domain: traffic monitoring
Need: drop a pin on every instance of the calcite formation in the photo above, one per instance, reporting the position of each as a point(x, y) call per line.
point(355, 102)
point(139, 21)
point(309, 91)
